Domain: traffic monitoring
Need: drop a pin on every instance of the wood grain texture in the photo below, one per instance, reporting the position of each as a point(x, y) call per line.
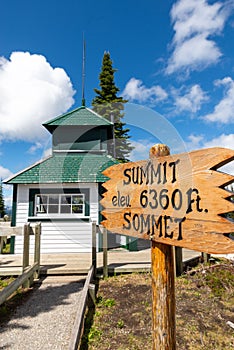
point(196, 235)
point(163, 297)
point(170, 197)
point(163, 286)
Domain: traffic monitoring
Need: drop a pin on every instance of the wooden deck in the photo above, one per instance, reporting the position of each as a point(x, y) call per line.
point(119, 261)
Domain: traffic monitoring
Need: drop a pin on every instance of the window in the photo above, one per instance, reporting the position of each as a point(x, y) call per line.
point(60, 204)
point(66, 203)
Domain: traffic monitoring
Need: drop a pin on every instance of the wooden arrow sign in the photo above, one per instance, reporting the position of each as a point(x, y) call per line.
point(177, 199)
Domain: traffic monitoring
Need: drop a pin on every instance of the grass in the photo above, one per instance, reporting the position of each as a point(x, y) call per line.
point(8, 307)
point(204, 299)
point(6, 249)
point(105, 302)
point(4, 282)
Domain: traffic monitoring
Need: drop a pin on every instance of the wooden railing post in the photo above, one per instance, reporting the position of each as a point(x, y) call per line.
point(19, 281)
point(26, 252)
point(26, 246)
point(37, 248)
point(179, 261)
point(94, 247)
point(205, 258)
point(105, 262)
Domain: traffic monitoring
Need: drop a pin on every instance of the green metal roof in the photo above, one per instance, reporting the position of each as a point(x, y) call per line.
point(61, 168)
point(80, 116)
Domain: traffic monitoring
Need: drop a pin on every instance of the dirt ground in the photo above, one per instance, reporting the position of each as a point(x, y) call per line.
point(204, 305)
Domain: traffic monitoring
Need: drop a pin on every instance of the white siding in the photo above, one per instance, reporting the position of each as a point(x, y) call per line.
point(22, 205)
point(59, 236)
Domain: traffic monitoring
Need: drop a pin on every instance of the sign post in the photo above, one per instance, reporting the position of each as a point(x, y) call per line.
point(163, 285)
point(163, 297)
point(174, 200)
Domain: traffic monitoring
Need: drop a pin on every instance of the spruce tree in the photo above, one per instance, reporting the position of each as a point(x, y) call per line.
point(109, 105)
point(2, 204)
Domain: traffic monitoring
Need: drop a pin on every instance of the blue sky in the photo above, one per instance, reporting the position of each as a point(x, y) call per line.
point(174, 59)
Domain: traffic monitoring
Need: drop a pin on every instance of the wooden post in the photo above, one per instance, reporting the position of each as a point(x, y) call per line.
point(26, 284)
point(142, 199)
point(163, 285)
point(37, 247)
point(179, 261)
point(105, 263)
point(163, 294)
point(26, 246)
point(94, 248)
point(205, 258)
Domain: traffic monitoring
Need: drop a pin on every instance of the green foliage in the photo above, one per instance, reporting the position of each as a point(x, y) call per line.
point(94, 335)
point(5, 281)
point(109, 302)
point(220, 281)
point(2, 204)
point(120, 324)
point(6, 248)
point(105, 302)
point(109, 105)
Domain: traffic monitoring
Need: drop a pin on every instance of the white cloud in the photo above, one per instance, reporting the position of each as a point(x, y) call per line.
point(195, 22)
point(141, 150)
point(224, 140)
point(198, 141)
point(7, 194)
point(8, 200)
point(196, 16)
point(191, 101)
point(47, 153)
point(4, 173)
point(35, 147)
point(224, 110)
point(136, 91)
point(194, 142)
point(194, 54)
point(31, 92)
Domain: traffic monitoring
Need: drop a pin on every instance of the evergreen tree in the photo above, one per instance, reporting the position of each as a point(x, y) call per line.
point(2, 204)
point(109, 105)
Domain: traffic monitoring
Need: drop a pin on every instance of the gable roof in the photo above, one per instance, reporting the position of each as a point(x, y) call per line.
point(80, 116)
point(61, 168)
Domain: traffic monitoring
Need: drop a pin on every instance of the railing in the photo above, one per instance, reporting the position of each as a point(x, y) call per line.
point(78, 327)
point(6, 230)
point(102, 230)
point(29, 273)
point(88, 292)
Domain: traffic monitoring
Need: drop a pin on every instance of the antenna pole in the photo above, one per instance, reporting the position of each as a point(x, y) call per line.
point(83, 72)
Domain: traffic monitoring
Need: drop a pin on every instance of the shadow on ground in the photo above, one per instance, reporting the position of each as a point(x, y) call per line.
point(42, 298)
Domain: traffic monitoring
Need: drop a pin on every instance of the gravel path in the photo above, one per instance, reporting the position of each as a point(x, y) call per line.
point(45, 320)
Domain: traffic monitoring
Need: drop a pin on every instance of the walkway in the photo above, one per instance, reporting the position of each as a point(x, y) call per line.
point(119, 261)
point(45, 319)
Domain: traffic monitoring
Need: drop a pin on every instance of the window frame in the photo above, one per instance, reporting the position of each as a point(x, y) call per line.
point(83, 192)
point(59, 204)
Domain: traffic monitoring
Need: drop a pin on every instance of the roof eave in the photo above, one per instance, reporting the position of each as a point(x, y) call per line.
point(7, 181)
